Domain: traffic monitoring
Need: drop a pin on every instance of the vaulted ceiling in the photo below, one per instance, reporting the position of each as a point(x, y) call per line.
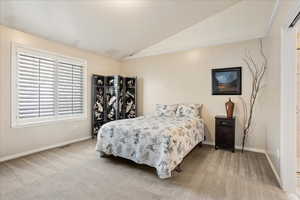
point(118, 28)
point(243, 21)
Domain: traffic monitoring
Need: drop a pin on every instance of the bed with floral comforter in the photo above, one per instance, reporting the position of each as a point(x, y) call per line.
point(158, 141)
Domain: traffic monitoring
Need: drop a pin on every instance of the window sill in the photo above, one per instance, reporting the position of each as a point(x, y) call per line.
point(47, 122)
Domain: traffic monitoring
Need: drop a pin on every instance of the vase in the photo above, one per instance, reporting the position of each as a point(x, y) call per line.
point(229, 105)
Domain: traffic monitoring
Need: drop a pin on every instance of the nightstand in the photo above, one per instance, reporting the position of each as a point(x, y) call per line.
point(225, 133)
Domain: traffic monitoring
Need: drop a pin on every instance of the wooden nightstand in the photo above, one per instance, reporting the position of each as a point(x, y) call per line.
point(225, 133)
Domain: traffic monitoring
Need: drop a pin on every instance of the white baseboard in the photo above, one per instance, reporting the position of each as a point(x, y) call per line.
point(240, 147)
point(10, 157)
point(257, 151)
point(293, 197)
point(274, 170)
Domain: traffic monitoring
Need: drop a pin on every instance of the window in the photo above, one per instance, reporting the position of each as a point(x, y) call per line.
point(46, 87)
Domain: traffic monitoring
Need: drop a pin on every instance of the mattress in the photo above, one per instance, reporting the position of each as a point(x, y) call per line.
point(160, 142)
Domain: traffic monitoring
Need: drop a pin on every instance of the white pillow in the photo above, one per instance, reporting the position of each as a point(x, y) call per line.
point(166, 110)
point(189, 110)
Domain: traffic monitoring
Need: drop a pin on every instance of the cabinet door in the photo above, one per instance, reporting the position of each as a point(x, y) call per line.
point(224, 136)
point(111, 103)
point(98, 103)
point(121, 104)
point(98, 106)
point(130, 98)
point(228, 136)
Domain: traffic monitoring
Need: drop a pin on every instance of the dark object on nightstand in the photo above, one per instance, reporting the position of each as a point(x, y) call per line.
point(225, 133)
point(229, 105)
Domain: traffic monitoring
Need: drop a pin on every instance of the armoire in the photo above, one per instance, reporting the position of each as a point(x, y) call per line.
point(113, 98)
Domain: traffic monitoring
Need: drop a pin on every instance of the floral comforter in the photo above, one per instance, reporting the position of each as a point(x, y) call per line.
point(160, 142)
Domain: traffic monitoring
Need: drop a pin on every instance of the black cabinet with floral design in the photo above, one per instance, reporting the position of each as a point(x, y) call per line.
point(113, 98)
point(130, 98)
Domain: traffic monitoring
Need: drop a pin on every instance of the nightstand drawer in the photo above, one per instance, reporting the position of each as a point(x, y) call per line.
point(225, 123)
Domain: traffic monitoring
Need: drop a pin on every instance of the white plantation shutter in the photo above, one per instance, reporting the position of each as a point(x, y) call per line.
point(35, 86)
point(70, 89)
point(46, 89)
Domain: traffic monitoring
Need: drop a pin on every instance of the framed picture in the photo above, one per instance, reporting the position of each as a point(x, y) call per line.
point(227, 81)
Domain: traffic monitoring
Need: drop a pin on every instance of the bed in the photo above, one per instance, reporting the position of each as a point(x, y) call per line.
point(160, 141)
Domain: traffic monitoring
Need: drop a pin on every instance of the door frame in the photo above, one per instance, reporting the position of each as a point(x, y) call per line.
point(288, 103)
point(288, 116)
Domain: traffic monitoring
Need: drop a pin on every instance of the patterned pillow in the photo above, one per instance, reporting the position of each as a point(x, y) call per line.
point(166, 110)
point(189, 110)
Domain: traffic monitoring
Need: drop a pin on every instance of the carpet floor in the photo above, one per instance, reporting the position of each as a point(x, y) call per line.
point(75, 172)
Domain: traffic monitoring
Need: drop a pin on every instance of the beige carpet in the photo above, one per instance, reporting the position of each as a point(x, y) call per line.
point(74, 172)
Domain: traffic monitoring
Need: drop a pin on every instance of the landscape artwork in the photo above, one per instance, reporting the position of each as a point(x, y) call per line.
point(227, 81)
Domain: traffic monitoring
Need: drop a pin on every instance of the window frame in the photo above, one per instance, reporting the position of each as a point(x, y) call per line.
point(18, 123)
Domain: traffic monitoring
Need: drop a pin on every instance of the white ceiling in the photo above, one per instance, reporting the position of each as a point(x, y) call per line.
point(117, 28)
point(243, 21)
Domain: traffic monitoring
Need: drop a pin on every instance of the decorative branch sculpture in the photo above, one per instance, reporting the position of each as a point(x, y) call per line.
point(257, 73)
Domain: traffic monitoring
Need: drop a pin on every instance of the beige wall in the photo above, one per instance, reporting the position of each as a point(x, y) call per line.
point(272, 91)
point(186, 77)
point(19, 140)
